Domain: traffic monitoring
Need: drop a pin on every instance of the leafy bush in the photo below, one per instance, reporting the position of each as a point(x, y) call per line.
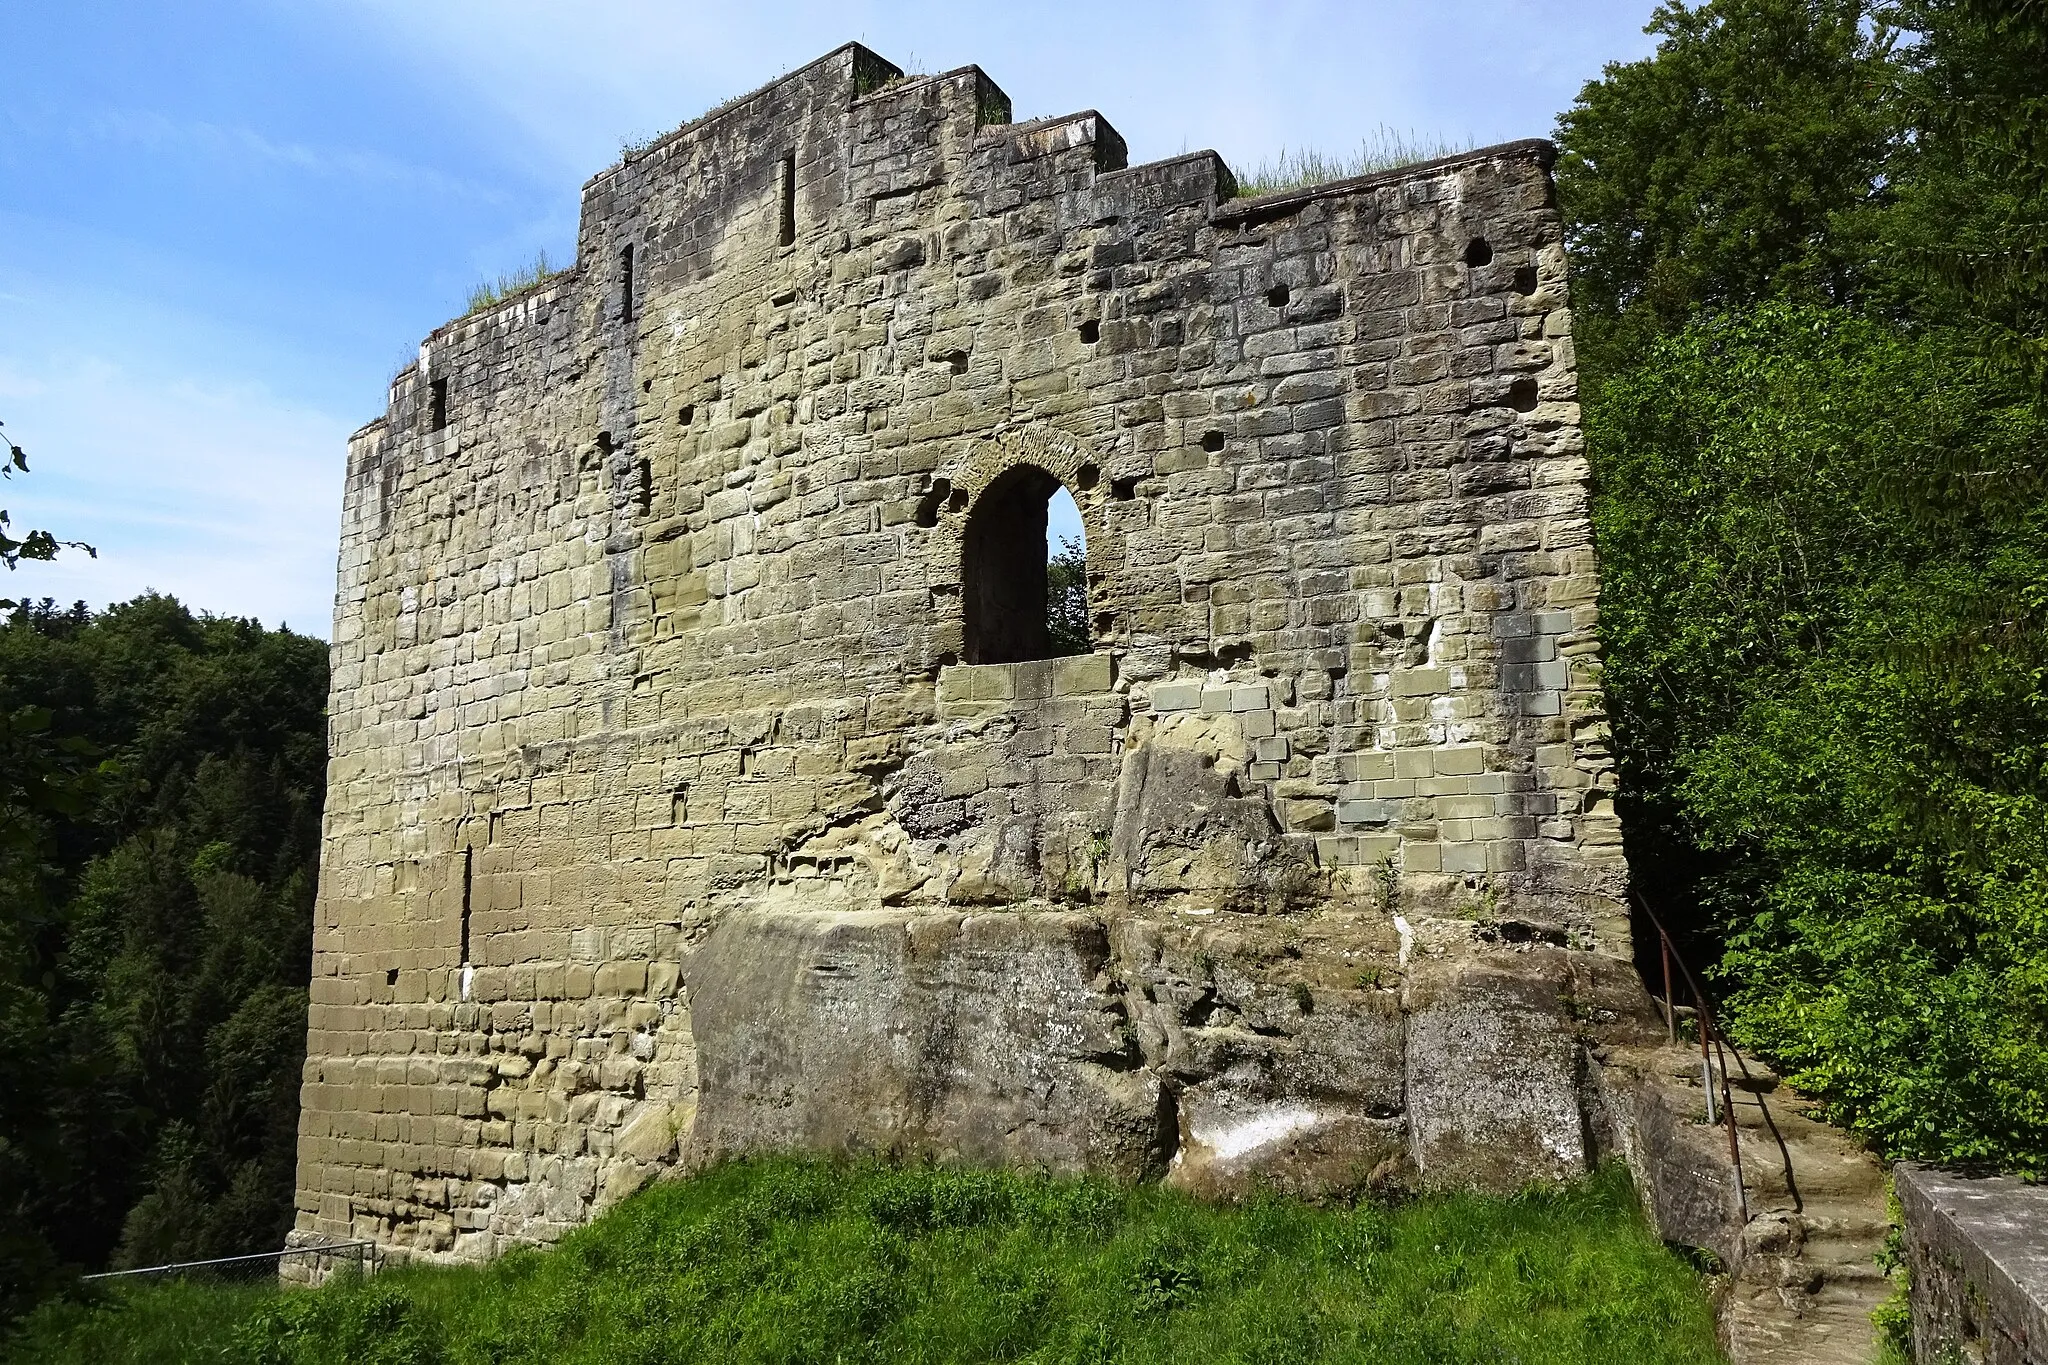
point(1810, 312)
point(1801, 693)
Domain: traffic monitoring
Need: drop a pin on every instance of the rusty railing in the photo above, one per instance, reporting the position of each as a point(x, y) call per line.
point(1714, 1049)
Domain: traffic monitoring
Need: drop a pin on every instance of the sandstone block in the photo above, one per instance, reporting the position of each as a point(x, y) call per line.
point(976, 1039)
point(1083, 674)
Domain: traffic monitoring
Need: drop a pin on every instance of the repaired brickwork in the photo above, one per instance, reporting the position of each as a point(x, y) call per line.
point(676, 809)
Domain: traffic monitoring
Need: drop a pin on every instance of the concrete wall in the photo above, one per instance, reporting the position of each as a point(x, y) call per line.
point(653, 730)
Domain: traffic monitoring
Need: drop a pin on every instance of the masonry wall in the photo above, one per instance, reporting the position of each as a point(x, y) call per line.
point(667, 819)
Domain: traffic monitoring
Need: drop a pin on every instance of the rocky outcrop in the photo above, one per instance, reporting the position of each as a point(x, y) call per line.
point(1285, 1054)
point(997, 1039)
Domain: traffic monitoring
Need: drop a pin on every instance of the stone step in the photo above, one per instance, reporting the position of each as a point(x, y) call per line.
point(1774, 1325)
point(1805, 1276)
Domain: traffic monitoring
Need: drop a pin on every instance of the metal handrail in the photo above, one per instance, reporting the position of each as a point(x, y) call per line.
point(367, 1252)
point(1711, 1046)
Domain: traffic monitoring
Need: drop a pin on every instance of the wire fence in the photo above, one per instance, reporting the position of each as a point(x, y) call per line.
point(305, 1265)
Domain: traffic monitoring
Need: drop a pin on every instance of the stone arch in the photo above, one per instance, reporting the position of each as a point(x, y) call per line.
point(986, 513)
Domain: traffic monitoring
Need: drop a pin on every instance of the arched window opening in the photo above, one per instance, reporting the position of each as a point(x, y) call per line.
point(1024, 571)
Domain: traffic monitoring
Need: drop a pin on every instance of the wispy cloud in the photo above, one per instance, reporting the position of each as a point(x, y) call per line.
point(221, 494)
point(243, 149)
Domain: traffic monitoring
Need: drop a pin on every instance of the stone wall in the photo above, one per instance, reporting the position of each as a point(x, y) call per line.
point(1977, 1255)
point(687, 799)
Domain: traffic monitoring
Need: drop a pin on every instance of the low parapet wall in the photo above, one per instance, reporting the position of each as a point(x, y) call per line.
point(1977, 1249)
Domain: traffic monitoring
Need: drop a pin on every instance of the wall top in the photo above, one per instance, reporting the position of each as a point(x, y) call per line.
point(865, 67)
point(1540, 150)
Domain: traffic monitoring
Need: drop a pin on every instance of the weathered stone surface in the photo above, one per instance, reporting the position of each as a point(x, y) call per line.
point(1977, 1253)
point(1494, 1070)
point(988, 1038)
point(682, 651)
point(1316, 1111)
point(1186, 829)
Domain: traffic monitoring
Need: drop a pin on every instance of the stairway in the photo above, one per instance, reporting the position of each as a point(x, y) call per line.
point(1803, 1278)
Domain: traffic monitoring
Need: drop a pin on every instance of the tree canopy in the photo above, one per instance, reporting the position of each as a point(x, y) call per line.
point(1806, 245)
point(155, 953)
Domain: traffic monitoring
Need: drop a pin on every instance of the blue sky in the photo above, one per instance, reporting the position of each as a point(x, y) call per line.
point(224, 226)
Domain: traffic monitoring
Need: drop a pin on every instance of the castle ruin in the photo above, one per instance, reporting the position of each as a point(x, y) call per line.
point(699, 785)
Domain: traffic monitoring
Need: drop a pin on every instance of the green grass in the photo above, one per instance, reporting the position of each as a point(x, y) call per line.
point(1387, 149)
point(167, 1323)
point(490, 293)
point(788, 1261)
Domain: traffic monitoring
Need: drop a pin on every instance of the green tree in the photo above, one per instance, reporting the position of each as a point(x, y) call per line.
point(1817, 456)
point(1729, 167)
point(45, 779)
point(1970, 229)
point(1066, 599)
point(33, 545)
point(151, 1070)
point(1853, 781)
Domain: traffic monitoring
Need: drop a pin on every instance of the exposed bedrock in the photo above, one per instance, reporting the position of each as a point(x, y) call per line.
point(985, 1038)
point(1289, 1054)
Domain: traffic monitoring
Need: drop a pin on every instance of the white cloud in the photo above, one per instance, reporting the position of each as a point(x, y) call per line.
point(219, 494)
point(241, 148)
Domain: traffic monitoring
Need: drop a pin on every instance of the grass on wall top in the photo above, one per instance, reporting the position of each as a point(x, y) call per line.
point(490, 293)
point(1385, 149)
point(801, 1261)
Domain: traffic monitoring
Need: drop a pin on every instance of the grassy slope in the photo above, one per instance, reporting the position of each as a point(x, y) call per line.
point(792, 1261)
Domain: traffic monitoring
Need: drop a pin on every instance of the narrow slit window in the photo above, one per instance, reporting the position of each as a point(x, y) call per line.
point(437, 406)
point(467, 856)
point(785, 198)
point(626, 283)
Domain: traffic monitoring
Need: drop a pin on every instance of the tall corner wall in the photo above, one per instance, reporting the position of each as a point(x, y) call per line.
point(671, 816)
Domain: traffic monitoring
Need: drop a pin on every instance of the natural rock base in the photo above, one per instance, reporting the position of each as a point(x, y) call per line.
point(1282, 1053)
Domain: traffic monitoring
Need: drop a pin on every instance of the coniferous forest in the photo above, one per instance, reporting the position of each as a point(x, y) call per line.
point(1809, 242)
point(162, 775)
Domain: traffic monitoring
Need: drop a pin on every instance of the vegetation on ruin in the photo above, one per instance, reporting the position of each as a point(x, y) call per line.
point(1385, 149)
point(1812, 307)
point(490, 293)
point(161, 776)
point(807, 1261)
point(1066, 599)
